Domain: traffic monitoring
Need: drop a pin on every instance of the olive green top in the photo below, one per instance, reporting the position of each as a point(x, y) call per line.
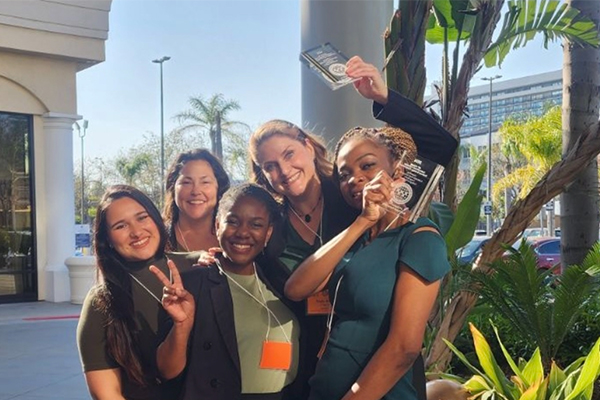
point(254, 322)
point(91, 335)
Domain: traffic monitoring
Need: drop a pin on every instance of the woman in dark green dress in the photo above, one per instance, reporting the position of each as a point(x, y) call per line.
point(383, 274)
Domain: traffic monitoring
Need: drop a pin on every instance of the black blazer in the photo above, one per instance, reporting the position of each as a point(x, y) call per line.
point(433, 141)
point(213, 362)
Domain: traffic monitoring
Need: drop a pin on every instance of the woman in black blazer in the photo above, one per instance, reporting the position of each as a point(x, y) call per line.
point(232, 336)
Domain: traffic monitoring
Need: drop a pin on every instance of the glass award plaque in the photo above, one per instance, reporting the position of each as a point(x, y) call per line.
point(328, 63)
point(412, 191)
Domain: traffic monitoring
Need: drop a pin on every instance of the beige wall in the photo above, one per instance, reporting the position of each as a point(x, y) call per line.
point(37, 84)
point(43, 44)
point(74, 29)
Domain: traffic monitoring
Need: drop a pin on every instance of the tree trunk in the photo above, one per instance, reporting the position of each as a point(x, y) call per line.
point(520, 215)
point(218, 138)
point(581, 101)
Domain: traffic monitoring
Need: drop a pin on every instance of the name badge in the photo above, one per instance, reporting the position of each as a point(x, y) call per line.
point(276, 355)
point(318, 304)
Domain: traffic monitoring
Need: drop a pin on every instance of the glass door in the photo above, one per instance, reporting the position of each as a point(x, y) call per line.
point(18, 271)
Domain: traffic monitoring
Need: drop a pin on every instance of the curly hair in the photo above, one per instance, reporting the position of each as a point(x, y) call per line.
point(256, 192)
point(323, 166)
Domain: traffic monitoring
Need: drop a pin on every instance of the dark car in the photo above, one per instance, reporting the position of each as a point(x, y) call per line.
point(468, 253)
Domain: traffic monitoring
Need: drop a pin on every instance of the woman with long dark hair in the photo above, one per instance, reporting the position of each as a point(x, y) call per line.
point(117, 331)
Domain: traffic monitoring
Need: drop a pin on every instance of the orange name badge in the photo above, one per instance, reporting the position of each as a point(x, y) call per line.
point(318, 304)
point(276, 355)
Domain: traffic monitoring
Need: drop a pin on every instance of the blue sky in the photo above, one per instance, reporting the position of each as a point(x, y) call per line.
point(247, 50)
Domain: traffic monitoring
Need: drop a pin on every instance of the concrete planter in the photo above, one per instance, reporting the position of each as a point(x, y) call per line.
point(82, 276)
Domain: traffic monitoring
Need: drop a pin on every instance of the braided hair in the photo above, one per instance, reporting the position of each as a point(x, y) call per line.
point(396, 140)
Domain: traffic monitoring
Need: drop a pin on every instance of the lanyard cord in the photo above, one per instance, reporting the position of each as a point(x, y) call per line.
point(146, 288)
point(263, 303)
point(330, 317)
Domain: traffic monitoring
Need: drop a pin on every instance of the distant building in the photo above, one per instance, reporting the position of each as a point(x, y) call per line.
point(529, 95)
point(43, 44)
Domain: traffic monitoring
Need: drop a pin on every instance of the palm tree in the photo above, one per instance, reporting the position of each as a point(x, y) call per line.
point(473, 24)
point(579, 202)
point(537, 140)
point(540, 305)
point(130, 168)
point(211, 116)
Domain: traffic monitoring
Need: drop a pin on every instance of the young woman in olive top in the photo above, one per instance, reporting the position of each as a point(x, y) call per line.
point(117, 331)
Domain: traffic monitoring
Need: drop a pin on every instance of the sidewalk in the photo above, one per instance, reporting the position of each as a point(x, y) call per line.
point(38, 353)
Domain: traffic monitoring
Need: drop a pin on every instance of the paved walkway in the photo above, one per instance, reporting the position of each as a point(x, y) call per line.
point(38, 354)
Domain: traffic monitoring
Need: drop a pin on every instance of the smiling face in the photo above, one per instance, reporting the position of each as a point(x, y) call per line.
point(243, 231)
point(358, 161)
point(196, 190)
point(288, 164)
point(131, 231)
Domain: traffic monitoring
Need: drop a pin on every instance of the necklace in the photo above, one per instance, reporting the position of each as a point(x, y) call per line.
point(318, 235)
point(307, 216)
point(185, 245)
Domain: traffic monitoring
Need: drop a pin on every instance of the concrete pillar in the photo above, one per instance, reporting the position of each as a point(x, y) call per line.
point(60, 205)
point(355, 27)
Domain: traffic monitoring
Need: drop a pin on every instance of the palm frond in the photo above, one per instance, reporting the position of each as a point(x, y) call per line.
point(553, 19)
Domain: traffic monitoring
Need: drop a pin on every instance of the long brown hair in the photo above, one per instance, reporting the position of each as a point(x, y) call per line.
point(323, 166)
point(114, 298)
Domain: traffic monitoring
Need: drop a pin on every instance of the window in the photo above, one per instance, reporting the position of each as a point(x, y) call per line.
point(18, 277)
point(552, 247)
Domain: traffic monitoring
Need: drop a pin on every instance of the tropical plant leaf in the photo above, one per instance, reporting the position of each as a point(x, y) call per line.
point(556, 376)
point(508, 357)
point(552, 18)
point(442, 215)
point(534, 370)
point(448, 21)
point(488, 362)
point(476, 385)
point(589, 372)
point(467, 215)
point(466, 362)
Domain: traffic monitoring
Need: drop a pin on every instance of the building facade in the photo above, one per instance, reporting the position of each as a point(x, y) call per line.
point(530, 95)
point(43, 44)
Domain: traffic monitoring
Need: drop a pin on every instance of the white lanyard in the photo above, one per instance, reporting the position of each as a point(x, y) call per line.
point(263, 303)
point(335, 294)
point(146, 288)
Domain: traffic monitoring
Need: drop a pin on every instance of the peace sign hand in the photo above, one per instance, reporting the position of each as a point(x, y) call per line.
point(177, 301)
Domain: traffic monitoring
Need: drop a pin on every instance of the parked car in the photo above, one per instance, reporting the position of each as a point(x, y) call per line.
point(468, 253)
point(547, 251)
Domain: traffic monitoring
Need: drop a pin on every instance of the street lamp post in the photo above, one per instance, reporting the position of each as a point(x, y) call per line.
point(81, 133)
point(489, 171)
point(162, 130)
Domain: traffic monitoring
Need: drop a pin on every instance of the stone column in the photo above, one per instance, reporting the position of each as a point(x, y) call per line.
point(59, 226)
point(355, 27)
